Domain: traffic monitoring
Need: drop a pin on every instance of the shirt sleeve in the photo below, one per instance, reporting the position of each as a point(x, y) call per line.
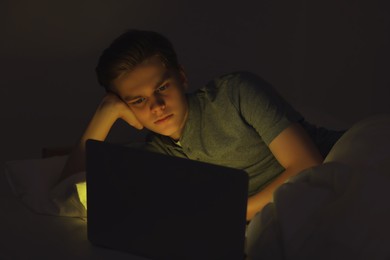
point(260, 105)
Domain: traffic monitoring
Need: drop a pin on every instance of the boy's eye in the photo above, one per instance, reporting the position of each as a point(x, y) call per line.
point(138, 101)
point(162, 88)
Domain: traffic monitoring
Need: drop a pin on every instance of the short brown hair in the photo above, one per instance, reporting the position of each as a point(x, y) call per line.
point(130, 49)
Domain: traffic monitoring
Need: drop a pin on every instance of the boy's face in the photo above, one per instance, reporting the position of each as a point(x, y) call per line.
point(156, 95)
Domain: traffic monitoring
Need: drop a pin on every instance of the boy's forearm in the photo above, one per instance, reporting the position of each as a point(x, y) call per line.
point(97, 129)
point(257, 202)
point(75, 163)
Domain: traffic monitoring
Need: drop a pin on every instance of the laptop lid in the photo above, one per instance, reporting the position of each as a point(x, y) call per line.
point(164, 207)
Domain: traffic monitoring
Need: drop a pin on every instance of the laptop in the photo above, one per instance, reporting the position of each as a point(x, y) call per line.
point(164, 207)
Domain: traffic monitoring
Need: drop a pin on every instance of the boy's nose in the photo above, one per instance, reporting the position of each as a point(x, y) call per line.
point(157, 104)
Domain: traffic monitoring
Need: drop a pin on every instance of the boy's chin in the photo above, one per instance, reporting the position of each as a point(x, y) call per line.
point(171, 134)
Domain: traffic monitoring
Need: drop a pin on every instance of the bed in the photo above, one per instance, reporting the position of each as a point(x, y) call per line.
point(338, 210)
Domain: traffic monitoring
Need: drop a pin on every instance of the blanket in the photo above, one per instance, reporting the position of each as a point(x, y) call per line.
point(338, 210)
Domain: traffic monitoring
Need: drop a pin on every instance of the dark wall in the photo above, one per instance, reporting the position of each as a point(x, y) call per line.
point(332, 58)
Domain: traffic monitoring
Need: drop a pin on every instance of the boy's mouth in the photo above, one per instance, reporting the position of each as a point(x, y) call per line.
point(163, 119)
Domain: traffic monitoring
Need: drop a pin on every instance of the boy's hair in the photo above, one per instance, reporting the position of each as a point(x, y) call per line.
point(130, 49)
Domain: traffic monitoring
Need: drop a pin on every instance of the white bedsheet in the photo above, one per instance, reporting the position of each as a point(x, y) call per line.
point(27, 235)
point(36, 183)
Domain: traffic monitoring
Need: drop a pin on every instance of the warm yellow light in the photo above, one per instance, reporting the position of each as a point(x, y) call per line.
point(82, 192)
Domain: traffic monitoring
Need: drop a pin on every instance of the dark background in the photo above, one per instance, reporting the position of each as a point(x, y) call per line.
point(328, 58)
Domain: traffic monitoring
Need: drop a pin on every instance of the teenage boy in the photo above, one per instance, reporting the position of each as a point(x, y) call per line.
point(236, 120)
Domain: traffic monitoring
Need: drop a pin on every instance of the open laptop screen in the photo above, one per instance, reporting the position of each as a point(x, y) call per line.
point(163, 207)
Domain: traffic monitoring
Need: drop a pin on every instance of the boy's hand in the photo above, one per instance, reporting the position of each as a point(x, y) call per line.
point(119, 109)
point(109, 110)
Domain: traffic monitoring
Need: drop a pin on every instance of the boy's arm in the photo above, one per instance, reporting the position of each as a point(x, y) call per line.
point(295, 151)
point(109, 110)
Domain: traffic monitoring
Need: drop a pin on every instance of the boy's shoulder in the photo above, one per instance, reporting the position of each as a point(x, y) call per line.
point(236, 79)
point(232, 84)
point(231, 77)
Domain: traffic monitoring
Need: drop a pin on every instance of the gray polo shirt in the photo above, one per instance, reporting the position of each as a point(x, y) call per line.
point(231, 121)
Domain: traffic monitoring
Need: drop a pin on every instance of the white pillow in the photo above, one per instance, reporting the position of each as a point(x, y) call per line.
point(35, 182)
point(365, 145)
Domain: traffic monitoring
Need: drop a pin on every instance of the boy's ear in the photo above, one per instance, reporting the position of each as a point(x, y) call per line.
point(183, 77)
